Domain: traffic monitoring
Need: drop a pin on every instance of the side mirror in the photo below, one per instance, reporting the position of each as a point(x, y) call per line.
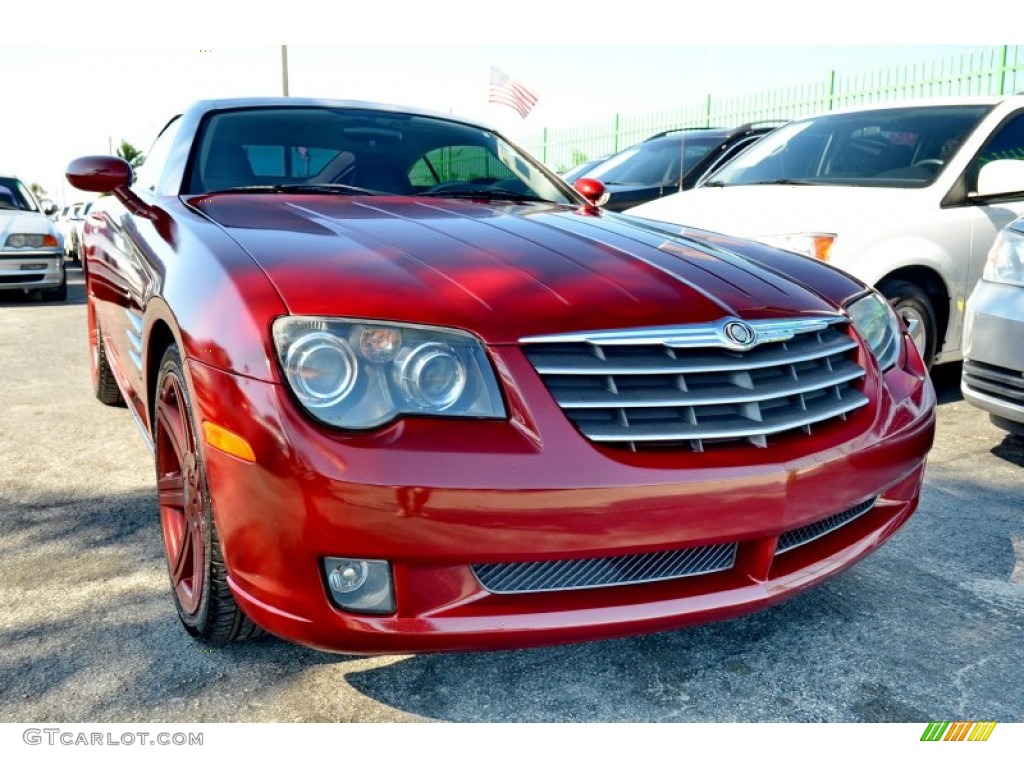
point(50, 209)
point(1001, 177)
point(105, 174)
point(99, 173)
point(593, 191)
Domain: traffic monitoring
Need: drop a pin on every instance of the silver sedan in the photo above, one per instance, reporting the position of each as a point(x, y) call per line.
point(993, 374)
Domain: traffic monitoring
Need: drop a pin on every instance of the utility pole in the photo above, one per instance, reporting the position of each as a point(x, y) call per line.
point(284, 69)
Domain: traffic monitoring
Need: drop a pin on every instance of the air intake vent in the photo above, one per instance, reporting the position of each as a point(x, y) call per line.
point(557, 575)
point(798, 537)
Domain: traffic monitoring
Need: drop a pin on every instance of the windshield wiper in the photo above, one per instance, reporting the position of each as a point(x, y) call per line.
point(335, 189)
point(484, 194)
point(783, 182)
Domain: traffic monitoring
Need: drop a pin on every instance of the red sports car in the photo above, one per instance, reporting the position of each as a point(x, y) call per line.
point(408, 391)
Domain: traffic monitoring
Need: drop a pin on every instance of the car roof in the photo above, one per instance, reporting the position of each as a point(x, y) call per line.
point(966, 101)
point(209, 105)
point(758, 126)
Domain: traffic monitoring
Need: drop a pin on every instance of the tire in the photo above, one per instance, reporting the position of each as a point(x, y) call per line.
point(912, 304)
point(104, 385)
point(195, 561)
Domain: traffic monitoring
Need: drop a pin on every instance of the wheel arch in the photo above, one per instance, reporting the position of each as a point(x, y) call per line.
point(162, 331)
point(931, 282)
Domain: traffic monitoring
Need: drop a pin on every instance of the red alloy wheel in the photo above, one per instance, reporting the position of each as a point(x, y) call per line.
point(181, 490)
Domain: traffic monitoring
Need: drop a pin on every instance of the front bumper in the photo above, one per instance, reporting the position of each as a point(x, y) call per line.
point(21, 270)
point(435, 497)
point(993, 373)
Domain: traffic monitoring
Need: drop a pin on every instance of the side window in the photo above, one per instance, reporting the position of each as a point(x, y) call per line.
point(1006, 144)
point(147, 176)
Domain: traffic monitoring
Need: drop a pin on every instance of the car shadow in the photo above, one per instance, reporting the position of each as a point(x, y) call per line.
point(1011, 450)
point(90, 635)
point(946, 380)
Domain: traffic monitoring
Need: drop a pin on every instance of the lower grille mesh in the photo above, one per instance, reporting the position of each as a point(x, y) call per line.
point(799, 536)
point(555, 575)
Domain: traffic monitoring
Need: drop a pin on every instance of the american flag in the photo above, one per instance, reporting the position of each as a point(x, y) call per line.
point(505, 90)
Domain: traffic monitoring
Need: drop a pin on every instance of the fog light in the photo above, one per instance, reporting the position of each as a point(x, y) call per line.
point(361, 586)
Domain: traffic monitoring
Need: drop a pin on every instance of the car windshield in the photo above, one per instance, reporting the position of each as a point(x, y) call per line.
point(899, 147)
point(655, 163)
point(14, 196)
point(355, 151)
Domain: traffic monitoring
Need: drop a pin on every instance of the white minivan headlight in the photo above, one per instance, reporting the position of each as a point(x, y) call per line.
point(813, 245)
point(877, 324)
point(1005, 262)
point(359, 374)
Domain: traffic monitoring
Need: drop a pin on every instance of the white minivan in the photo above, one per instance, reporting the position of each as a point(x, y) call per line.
point(908, 198)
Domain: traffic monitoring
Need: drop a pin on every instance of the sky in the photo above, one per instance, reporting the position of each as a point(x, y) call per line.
point(72, 97)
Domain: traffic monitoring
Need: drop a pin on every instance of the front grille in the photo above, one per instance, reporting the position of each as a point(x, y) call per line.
point(799, 536)
point(19, 279)
point(557, 575)
point(1002, 383)
point(687, 388)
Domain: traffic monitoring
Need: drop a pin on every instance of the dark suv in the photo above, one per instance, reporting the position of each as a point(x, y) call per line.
point(671, 161)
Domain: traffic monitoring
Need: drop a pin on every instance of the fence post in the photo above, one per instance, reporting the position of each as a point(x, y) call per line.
point(831, 87)
point(616, 132)
point(1002, 71)
point(544, 147)
point(707, 112)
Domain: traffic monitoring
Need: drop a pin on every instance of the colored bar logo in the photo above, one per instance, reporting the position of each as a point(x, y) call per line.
point(958, 731)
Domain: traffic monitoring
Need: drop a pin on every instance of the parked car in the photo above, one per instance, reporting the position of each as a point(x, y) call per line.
point(31, 249)
point(66, 220)
point(578, 171)
point(77, 223)
point(993, 372)
point(671, 161)
point(896, 195)
point(408, 391)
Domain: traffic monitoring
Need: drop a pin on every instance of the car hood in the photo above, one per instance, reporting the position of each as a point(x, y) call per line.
point(24, 223)
point(501, 271)
point(757, 210)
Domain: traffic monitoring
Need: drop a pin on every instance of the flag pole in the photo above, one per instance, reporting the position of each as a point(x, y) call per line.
point(284, 69)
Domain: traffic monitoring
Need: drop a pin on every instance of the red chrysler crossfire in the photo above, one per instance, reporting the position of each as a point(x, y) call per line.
point(408, 391)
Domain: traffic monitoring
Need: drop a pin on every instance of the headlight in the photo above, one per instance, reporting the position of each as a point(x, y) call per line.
point(815, 245)
point(1006, 259)
point(359, 375)
point(31, 241)
point(876, 322)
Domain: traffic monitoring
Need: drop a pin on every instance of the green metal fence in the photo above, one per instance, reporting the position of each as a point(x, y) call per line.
point(988, 71)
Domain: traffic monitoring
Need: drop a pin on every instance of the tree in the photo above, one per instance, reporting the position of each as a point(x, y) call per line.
point(130, 154)
point(37, 190)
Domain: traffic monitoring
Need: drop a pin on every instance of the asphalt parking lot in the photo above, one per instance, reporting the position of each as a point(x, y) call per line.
point(930, 627)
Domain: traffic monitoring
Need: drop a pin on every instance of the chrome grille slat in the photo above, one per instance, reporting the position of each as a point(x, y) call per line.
point(808, 533)
point(734, 428)
point(619, 570)
point(844, 372)
point(659, 387)
point(656, 360)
